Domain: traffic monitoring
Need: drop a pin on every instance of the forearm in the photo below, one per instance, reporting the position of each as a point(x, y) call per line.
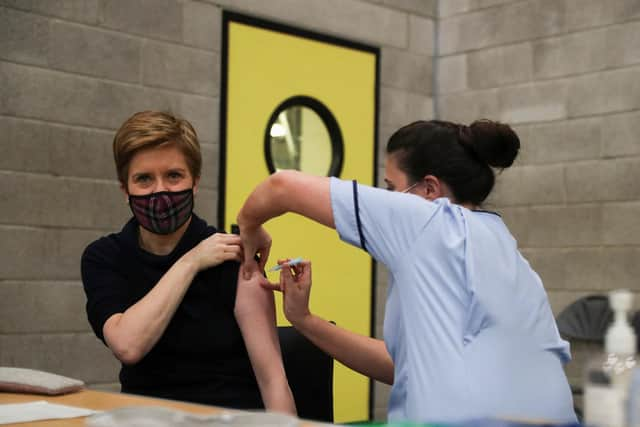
point(368, 356)
point(255, 313)
point(266, 360)
point(276, 395)
point(132, 334)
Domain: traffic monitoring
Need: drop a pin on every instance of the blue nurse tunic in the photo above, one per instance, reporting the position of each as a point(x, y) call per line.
point(467, 321)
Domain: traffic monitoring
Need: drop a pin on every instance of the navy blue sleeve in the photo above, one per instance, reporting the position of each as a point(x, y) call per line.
point(225, 275)
point(104, 284)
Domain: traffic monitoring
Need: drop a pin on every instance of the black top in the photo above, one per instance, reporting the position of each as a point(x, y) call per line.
point(201, 357)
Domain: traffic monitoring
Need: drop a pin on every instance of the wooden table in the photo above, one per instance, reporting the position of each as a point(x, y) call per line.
point(99, 400)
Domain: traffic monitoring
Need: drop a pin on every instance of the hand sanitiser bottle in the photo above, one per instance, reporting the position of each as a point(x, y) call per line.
point(608, 375)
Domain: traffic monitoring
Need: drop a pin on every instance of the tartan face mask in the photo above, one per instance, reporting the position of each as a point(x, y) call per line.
point(163, 212)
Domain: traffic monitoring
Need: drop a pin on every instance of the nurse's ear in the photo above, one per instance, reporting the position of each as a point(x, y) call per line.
point(433, 188)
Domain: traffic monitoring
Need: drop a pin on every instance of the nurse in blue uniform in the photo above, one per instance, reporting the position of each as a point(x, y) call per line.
point(468, 330)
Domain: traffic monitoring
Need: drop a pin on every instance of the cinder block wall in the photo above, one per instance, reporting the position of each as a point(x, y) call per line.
point(567, 74)
point(71, 71)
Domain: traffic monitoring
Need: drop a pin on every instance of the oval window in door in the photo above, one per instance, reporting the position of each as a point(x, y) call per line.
point(302, 134)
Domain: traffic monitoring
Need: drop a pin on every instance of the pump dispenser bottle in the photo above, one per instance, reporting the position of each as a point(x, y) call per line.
point(608, 375)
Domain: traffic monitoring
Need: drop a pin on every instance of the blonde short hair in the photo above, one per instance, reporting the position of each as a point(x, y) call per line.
point(149, 129)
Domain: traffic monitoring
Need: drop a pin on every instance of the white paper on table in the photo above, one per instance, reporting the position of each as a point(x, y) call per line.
point(39, 410)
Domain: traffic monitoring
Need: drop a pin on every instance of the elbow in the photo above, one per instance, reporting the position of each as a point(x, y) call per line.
point(124, 352)
point(280, 180)
point(129, 357)
point(122, 344)
point(271, 192)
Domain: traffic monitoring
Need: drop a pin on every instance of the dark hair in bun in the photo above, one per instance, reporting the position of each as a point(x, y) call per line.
point(461, 156)
point(495, 143)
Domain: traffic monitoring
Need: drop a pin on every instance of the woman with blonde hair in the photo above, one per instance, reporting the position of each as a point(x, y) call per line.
point(164, 293)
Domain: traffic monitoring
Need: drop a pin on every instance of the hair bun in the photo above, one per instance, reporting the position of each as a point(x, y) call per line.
point(494, 142)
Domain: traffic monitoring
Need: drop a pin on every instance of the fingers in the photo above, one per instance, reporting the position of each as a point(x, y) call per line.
point(227, 251)
point(232, 254)
point(248, 259)
point(249, 267)
point(271, 286)
point(297, 269)
point(223, 240)
point(230, 239)
point(265, 284)
point(301, 270)
point(283, 285)
point(232, 249)
point(264, 256)
point(285, 273)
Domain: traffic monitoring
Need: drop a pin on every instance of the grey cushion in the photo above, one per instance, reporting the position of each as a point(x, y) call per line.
point(19, 380)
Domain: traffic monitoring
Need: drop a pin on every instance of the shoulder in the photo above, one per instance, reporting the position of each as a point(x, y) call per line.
point(354, 194)
point(104, 247)
point(200, 229)
point(101, 258)
point(442, 220)
point(113, 246)
point(485, 224)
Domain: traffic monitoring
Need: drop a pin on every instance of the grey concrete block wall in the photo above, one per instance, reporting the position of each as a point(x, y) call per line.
point(565, 74)
point(72, 70)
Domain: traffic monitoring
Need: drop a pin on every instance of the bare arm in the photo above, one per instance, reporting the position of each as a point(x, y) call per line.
point(288, 191)
point(255, 313)
point(284, 191)
point(132, 334)
point(366, 355)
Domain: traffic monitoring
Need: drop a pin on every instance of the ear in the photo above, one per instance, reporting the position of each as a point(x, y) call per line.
point(196, 181)
point(124, 190)
point(433, 188)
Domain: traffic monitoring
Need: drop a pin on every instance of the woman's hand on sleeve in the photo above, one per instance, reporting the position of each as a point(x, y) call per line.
point(215, 250)
point(255, 314)
point(132, 334)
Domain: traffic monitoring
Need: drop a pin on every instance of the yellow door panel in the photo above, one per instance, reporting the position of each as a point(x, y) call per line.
point(264, 67)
